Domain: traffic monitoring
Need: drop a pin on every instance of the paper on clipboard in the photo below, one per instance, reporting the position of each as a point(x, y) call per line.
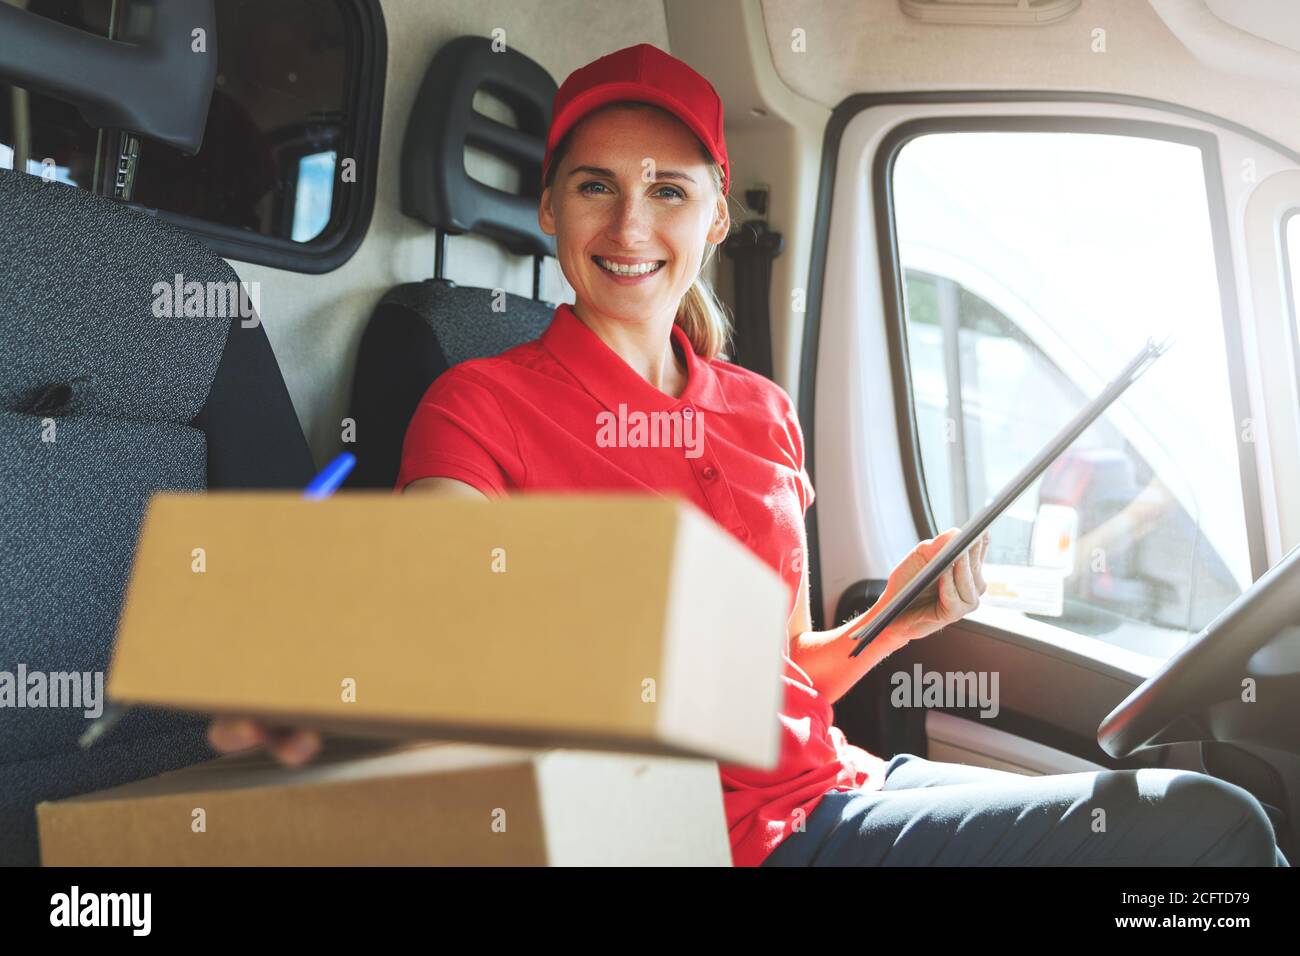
point(1020, 587)
point(929, 574)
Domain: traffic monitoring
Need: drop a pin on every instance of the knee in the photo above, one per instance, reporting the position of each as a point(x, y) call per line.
point(1225, 823)
point(898, 760)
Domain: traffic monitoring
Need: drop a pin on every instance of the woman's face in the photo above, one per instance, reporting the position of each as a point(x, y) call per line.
point(633, 189)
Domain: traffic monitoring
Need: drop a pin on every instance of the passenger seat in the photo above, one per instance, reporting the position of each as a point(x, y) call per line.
point(102, 403)
point(421, 329)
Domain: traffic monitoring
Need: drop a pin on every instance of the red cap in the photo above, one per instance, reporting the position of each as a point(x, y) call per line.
point(646, 74)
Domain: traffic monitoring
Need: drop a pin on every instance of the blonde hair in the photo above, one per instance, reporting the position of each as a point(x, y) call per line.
point(700, 313)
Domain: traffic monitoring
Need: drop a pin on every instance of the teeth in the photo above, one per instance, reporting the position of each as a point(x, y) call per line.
point(617, 269)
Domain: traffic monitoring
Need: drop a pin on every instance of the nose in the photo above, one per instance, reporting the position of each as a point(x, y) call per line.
point(629, 223)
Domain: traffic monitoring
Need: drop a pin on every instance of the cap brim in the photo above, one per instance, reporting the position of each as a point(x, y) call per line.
point(590, 100)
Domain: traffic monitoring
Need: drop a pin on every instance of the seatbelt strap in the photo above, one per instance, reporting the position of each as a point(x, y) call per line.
point(752, 248)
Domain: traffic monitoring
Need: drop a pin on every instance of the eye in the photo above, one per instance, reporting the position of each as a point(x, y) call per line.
point(676, 193)
point(584, 187)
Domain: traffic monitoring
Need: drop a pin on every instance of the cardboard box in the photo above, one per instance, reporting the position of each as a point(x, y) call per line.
point(445, 804)
point(616, 621)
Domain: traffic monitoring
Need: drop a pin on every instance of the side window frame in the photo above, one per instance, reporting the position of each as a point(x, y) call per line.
point(341, 239)
point(1289, 286)
point(893, 290)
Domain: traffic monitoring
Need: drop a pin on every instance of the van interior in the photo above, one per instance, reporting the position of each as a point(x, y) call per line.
point(952, 222)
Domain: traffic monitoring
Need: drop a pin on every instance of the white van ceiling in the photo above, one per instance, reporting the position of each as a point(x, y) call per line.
point(1272, 20)
point(872, 46)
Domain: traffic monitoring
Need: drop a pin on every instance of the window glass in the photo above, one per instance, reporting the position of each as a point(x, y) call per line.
point(313, 194)
point(1035, 265)
point(280, 96)
point(277, 123)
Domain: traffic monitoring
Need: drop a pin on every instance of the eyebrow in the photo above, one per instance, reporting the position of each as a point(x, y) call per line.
point(609, 173)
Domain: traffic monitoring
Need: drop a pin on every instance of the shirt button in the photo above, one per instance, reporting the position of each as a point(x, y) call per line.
point(709, 472)
point(688, 412)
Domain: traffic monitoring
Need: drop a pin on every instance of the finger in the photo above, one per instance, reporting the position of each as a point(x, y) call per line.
point(929, 594)
point(296, 747)
point(228, 734)
point(949, 599)
point(961, 568)
point(932, 546)
point(977, 566)
point(965, 580)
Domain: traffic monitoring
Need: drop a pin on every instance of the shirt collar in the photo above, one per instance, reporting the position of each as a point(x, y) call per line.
point(605, 374)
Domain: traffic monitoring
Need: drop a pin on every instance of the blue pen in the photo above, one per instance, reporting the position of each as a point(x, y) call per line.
point(331, 476)
point(322, 486)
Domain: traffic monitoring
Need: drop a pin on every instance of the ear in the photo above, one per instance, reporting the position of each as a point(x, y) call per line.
point(545, 217)
point(721, 225)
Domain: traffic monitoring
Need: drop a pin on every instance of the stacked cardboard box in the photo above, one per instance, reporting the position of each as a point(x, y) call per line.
point(445, 804)
point(563, 640)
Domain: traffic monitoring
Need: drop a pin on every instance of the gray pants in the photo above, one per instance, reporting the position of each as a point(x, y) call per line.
point(946, 814)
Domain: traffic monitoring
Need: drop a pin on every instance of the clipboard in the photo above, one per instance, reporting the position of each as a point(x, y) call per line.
point(936, 566)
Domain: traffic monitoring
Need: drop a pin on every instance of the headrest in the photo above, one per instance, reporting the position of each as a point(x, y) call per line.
point(436, 189)
point(87, 320)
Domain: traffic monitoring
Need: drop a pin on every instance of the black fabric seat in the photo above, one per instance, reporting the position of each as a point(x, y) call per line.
point(421, 329)
point(101, 404)
point(418, 331)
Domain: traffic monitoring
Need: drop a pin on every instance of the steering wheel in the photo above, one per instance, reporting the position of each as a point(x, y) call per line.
point(1202, 691)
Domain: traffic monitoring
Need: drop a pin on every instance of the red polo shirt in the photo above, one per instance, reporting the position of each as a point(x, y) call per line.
point(530, 419)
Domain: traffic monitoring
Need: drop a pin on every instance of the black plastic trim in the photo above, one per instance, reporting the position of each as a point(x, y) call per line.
point(153, 85)
point(858, 598)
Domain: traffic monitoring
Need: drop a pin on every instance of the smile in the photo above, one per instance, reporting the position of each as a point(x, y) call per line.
point(628, 271)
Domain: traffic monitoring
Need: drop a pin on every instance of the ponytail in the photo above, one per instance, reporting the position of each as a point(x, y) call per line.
point(700, 314)
point(703, 318)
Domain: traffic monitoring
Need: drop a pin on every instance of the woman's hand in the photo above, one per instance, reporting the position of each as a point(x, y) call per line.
point(956, 595)
point(292, 747)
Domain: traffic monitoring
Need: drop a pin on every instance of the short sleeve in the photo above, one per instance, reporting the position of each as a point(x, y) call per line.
point(795, 431)
point(460, 431)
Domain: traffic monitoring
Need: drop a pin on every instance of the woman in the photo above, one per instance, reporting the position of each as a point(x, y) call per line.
point(635, 181)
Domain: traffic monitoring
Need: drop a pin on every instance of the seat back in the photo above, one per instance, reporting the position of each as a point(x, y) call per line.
point(104, 401)
point(421, 329)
